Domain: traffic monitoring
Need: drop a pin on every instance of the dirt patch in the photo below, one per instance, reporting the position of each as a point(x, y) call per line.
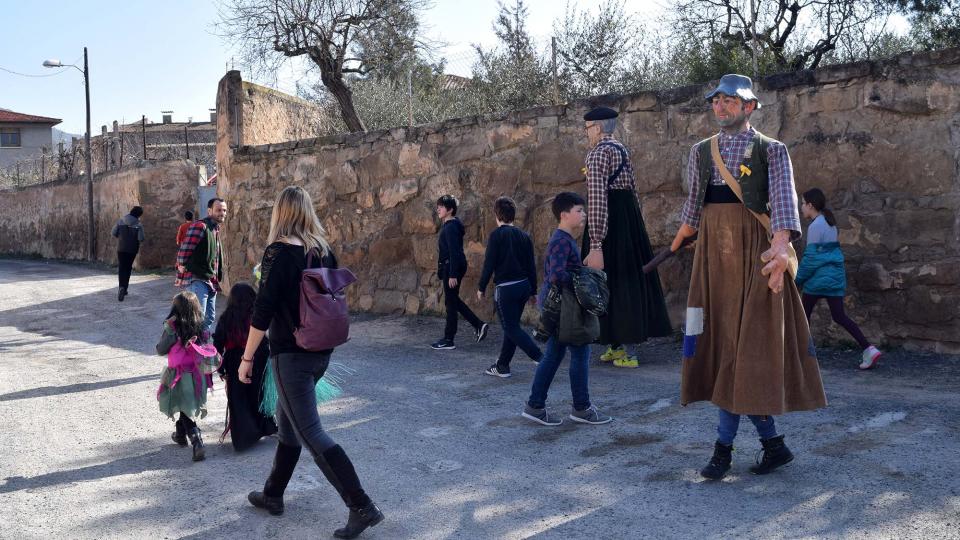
point(620, 442)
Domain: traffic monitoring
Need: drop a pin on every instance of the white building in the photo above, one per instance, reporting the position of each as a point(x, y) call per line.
point(24, 136)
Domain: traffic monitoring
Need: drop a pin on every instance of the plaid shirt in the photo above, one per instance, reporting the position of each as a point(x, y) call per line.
point(784, 213)
point(601, 162)
point(191, 239)
point(562, 255)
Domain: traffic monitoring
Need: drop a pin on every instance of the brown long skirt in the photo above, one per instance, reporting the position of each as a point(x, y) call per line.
point(755, 355)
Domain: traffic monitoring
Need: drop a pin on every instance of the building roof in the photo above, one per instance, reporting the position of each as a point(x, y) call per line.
point(8, 116)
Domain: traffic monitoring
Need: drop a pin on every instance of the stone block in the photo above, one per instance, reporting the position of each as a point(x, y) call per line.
point(509, 136)
point(398, 191)
point(388, 302)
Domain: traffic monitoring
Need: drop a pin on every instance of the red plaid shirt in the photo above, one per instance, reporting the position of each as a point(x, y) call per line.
point(601, 162)
point(194, 235)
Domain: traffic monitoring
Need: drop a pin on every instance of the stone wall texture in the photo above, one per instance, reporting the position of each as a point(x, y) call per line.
point(50, 220)
point(880, 138)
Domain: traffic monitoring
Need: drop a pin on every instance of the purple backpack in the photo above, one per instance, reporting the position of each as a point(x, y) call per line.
point(324, 316)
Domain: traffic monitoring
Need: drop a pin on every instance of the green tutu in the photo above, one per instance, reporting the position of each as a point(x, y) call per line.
point(183, 396)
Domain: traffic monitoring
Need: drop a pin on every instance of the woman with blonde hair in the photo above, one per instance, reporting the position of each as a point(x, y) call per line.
point(296, 232)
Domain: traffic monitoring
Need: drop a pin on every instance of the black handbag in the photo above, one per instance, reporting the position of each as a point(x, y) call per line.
point(577, 325)
point(590, 286)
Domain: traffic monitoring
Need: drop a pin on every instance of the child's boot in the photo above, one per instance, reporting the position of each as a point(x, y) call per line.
point(180, 435)
point(775, 455)
point(199, 453)
point(719, 463)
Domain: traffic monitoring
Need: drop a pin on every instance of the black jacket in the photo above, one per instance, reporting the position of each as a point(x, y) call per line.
point(129, 233)
point(451, 263)
point(509, 257)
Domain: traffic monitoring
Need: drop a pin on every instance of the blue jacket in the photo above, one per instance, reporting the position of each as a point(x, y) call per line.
point(821, 270)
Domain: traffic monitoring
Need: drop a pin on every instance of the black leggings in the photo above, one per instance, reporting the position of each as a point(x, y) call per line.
point(839, 316)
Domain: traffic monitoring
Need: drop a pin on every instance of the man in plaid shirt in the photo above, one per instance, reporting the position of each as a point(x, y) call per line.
point(747, 346)
point(200, 259)
point(616, 242)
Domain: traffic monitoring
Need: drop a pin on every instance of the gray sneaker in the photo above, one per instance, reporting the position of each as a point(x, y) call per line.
point(541, 416)
point(590, 416)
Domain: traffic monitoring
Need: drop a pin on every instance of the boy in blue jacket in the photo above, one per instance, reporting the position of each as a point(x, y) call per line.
point(451, 267)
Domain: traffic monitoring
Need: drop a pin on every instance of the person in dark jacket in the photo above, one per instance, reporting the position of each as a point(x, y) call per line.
point(129, 234)
point(295, 231)
point(509, 261)
point(822, 275)
point(451, 267)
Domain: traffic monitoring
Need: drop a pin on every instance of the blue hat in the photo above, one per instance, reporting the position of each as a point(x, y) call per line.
point(735, 85)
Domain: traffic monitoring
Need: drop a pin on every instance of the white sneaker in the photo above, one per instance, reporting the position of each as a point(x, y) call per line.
point(870, 357)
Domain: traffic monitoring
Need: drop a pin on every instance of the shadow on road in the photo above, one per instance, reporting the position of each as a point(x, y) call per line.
point(45, 391)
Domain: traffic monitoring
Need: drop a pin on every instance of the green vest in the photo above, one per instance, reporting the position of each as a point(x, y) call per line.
point(755, 186)
point(204, 256)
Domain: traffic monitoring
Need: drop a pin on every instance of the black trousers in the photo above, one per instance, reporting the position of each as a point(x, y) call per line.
point(451, 299)
point(125, 263)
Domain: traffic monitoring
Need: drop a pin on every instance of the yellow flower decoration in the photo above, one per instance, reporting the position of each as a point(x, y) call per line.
point(583, 171)
point(745, 170)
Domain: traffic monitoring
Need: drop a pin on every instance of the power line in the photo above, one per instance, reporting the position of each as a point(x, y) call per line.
point(31, 75)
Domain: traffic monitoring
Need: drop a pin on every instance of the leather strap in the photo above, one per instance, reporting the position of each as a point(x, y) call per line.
point(735, 186)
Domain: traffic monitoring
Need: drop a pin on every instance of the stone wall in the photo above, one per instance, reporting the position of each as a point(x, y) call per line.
point(881, 139)
point(50, 220)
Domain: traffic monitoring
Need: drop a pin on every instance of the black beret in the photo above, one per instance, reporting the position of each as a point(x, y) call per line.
point(600, 113)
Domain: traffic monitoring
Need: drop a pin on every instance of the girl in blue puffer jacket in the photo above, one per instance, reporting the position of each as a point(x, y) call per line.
point(821, 273)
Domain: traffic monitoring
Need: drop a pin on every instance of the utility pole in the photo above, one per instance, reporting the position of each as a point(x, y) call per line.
point(186, 140)
point(143, 131)
point(753, 34)
point(91, 228)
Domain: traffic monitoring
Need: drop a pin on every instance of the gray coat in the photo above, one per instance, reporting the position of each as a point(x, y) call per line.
point(129, 234)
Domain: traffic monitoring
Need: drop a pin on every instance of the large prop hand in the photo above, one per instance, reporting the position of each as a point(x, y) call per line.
point(595, 259)
point(685, 232)
point(776, 259)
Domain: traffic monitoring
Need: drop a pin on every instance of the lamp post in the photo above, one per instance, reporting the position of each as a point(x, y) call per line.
point(91, 237)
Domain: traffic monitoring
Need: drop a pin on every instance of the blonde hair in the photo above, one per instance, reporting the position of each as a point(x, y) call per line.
point(294, 217)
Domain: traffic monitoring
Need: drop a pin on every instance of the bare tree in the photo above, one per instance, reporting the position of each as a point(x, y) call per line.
point(340, 37)
point(798, 34)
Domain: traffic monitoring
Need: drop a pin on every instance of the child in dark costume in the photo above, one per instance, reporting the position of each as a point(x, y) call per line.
point(245, 423)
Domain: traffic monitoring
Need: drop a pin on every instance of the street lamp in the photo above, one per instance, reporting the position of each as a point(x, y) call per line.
point(91, 238)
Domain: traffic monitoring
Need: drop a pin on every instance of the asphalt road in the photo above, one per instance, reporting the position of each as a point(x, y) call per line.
point(441, 447)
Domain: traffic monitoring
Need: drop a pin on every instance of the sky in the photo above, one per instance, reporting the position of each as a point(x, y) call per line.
point(148, 56)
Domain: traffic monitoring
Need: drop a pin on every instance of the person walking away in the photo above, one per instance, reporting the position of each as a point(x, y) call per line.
point(616, 242)
point(296, 232)
point(200, 259)
point(509, 260)
point(245, 423)
point(186, 379)
point(182, 229)
point(451, 267)
point(129, 234)
point(747, 347)
point(822, 274)
point(561, 258)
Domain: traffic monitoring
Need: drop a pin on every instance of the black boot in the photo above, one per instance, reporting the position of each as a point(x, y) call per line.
point(719, 463)
point(338, 469)
point(199, 453)
point(180, 435)
point(271, 498)
point(775, 455)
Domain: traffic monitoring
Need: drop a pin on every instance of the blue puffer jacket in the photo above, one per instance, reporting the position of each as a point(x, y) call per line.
point(821, 270)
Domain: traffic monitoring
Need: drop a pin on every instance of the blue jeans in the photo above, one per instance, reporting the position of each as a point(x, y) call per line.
point(547, 368)
point(509, 300)
point(729, 422)
point(208, 302)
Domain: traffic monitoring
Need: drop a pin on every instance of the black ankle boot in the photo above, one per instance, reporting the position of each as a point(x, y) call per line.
point(359, 520)
point(271, 498)
point(199, 453)
point(775, 455)
point(338, 469)
point(719, 463)
point(180, 435)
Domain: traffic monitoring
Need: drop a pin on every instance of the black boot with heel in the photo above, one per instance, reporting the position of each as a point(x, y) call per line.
point(338, 469)
point(271, 498)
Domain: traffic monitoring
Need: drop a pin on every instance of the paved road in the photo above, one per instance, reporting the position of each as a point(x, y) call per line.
point(441, 448)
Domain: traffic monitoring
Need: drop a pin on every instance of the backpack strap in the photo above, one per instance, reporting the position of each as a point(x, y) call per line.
point(623, 161)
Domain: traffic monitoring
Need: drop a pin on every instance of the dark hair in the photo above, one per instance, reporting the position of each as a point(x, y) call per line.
point(505, 209)
point(818, 200)
point(136, 211)
point(187, 316)
point(214, 200)
point(564, 202)
point(235, 320)
point(188, 215)
point(449, 202)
